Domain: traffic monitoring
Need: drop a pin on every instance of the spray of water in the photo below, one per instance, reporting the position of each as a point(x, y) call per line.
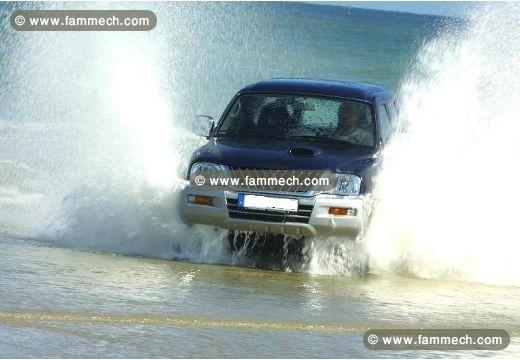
point(94, 155)
point(449, 191)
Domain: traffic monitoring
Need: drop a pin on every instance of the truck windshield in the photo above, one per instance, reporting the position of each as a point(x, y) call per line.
point(308, 118)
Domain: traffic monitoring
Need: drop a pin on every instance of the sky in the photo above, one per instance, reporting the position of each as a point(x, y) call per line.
point(446, 8)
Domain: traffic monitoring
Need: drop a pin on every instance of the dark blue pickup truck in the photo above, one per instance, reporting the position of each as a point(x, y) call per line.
point(288, 127)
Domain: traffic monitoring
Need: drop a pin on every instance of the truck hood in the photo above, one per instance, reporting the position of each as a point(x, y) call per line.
point(284, 154)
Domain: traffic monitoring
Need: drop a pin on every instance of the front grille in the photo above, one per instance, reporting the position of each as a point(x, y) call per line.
point(301, 216)
point(256, 172)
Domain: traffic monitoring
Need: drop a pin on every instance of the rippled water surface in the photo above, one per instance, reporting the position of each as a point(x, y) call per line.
point(95, 140)
point(56, 302)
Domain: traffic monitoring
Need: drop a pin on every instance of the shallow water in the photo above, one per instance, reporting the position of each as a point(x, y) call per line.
point(94, 144)
point(56, 302)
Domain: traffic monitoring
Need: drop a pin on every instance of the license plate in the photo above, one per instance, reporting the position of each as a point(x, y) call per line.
point(267, 203)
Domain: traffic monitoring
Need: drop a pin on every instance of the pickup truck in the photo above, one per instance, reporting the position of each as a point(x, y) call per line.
point(286, 128)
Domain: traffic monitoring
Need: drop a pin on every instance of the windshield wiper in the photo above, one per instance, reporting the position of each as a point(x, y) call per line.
point(249, 134)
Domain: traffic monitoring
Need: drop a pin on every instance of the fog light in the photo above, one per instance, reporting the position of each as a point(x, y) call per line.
point(200, 200)
point(338, 211)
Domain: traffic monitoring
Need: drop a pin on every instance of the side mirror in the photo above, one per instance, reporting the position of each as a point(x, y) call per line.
point(203, 125)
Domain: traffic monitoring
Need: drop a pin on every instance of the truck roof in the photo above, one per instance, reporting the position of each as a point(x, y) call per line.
point(346, 89)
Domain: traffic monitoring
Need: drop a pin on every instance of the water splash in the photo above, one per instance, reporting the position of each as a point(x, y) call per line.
point(335, 256)
point(95, 154)
point(449, 190)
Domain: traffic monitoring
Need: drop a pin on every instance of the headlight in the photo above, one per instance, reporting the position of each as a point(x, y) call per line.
point(347, 184)
point(207, 170)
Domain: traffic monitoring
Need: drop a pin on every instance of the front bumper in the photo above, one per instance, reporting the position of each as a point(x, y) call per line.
point(312, 219)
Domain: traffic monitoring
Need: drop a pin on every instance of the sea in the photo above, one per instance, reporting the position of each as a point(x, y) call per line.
point(96, 134)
